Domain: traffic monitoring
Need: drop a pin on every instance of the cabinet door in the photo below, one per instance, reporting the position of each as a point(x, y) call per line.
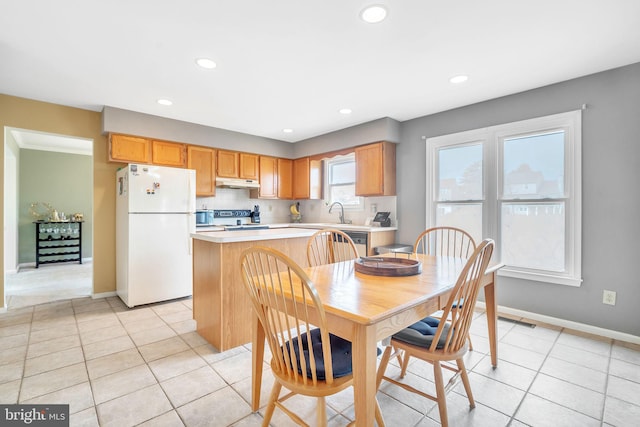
point(249, 166)
point(227, 165)
point(168, 153)
point(203, 160)
point(301, 178)
point(375, 170)
point(285, 179)
point(127, 148)
point(268, 178)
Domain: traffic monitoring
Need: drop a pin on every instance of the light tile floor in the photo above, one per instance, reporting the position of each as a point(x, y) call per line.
point(147, 366)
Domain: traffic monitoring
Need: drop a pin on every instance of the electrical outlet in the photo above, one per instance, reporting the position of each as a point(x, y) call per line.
point(609, 297)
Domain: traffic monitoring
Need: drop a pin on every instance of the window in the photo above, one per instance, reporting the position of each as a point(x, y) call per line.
point(341, 181)
point(519, 184)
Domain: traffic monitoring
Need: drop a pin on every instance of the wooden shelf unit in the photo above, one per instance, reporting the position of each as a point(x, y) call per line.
point(58, 242)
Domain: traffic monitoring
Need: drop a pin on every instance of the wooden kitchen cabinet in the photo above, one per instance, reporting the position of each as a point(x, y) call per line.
point(268, 179)
point(203, 161)
point(307, 179)
point(301, 170)
point(129, 149)
point(275, 179)
point(167, 153)
point(285, 179)
point(376, 169)
point(233, 164)
point(249, 168)
point(228, 164)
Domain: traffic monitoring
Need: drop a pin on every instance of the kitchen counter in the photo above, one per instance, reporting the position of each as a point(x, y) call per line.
point(313, 225)
point(221, 306)
point(252, 235)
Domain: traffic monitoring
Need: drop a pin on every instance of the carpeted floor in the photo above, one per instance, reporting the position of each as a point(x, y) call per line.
point(32, 286)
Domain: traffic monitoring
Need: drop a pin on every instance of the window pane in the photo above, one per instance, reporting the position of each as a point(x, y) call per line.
point(534, 166)
point(345, 194)
point(460, 173)
point(533, 235)
point(465, 216)
point(342, 173)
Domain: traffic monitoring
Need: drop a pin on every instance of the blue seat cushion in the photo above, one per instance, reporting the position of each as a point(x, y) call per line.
point(422, 333)
point(340, 354)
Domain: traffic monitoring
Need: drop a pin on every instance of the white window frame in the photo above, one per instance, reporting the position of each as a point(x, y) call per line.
point(492, 139)
point(327, 181)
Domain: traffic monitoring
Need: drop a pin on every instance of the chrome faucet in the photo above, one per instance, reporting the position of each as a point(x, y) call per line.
point(341, 211)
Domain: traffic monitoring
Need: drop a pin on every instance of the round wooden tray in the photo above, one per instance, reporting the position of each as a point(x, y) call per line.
point(385, 266)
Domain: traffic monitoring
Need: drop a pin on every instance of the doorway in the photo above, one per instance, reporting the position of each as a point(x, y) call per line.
point(52, 171)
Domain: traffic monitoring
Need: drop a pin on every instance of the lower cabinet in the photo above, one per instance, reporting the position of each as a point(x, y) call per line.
point(58, 242)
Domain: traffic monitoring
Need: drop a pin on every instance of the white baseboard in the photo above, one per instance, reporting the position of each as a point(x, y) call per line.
point(608, 333)
point(104, 295)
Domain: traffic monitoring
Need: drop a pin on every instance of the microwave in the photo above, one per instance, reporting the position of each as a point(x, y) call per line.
point(204, 217)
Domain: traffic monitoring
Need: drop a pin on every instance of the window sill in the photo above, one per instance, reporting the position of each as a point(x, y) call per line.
point(540, 277)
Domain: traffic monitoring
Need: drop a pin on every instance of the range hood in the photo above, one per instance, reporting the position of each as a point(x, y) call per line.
point(236, 183)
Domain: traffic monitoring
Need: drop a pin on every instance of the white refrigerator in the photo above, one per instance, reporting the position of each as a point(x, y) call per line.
point(155, 215)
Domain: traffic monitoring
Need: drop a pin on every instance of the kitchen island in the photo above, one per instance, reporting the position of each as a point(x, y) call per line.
point(221, 307)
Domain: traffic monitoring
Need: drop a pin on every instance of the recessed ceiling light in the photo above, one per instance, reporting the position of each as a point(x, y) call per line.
point(345, 111)
point(459, 79)
point(374, 13)
point(206, 63)
point(165, 102)
point(287, 130)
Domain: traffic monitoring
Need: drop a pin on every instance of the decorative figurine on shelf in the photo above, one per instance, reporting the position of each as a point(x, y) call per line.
point(77, 217)
point(54, 216)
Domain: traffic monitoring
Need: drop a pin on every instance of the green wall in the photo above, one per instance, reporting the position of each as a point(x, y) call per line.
point(60, 179)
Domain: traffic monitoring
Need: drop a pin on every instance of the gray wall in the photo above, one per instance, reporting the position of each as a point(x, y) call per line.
point(610, 202)
point(116, 120)
point(60, 179)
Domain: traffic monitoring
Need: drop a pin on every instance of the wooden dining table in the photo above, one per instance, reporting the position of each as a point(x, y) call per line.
point(365, 309)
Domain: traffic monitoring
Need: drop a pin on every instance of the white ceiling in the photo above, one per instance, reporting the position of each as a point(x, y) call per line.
point(33, 140)
point(294, 64)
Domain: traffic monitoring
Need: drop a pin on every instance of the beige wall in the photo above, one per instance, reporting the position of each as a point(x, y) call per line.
point(45, 117)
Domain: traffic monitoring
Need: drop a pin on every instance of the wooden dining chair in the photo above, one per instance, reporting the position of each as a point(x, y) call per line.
point(444, 241)
point(306, 358)
point(444, 340)
point(329, 246)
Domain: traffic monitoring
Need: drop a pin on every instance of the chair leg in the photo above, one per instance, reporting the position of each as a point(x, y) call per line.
point(399, 355)
point(440, 393)
point(465, 382)
point(379, 417)
point(405, 363)
point(322, 412)
point(470, 344)
point(271, 406)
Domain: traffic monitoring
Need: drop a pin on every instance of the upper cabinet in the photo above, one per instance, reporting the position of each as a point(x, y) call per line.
point(275, 179)
point(285, 179)
point(376, 169)
point(249, 168)
point(203, 160)
point(228, 164)
point(135, 149)
point(268, 179)
point(233, 164)
point(168, 153)
point(307, 179)
point(129, 149)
